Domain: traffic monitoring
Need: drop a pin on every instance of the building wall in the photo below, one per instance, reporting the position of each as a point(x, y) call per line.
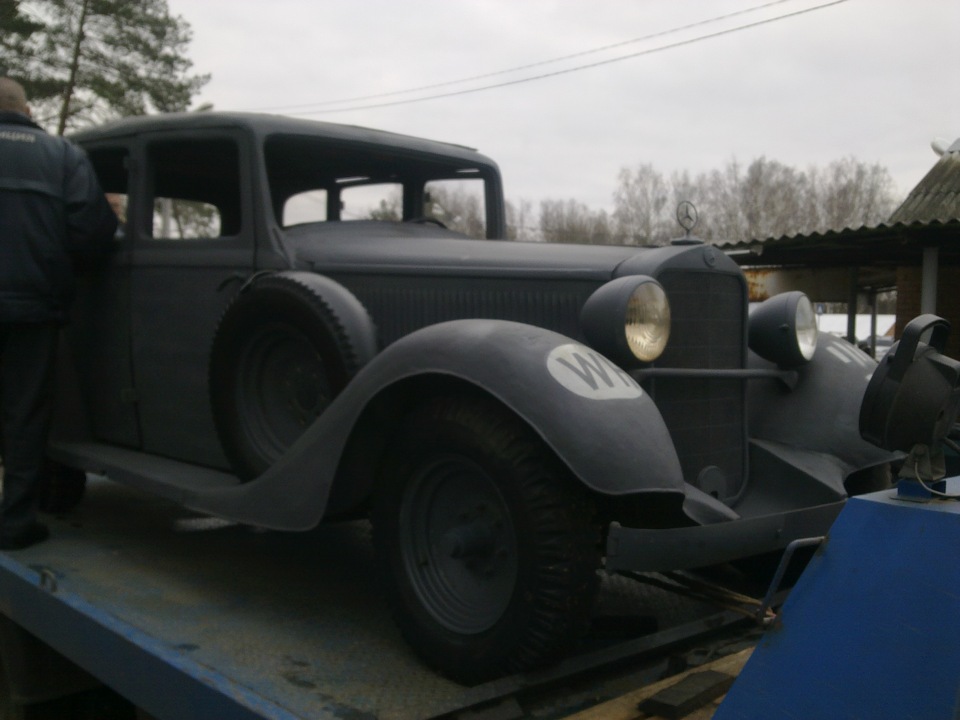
point(948, 301)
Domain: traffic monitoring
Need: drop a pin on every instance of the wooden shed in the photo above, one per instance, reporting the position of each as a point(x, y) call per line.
point(917, 252)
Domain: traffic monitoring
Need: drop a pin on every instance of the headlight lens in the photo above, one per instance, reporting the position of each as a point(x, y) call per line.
point(647, 321)
point(627, 320)
point(783, 329)
point(806, 323)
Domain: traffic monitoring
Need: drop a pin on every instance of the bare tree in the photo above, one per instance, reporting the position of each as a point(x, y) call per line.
point(640, 206)
point(852, 193)
point(772, 198)
point(716, 195)
point(520, 222)
point(570, 221)
point(767, 199)
point(458, 206)
point(388, 210)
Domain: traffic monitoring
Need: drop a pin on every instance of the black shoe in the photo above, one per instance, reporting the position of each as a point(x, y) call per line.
point(31, 535)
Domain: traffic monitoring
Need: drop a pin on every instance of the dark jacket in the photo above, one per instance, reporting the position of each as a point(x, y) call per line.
point(52, 215)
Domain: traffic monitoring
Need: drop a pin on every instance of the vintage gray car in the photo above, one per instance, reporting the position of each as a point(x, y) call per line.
point(304, 322)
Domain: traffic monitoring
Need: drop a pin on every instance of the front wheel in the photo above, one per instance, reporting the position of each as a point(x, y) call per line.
point(489, 548)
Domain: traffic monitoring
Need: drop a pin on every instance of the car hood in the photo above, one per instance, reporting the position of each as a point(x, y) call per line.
point(413, 248)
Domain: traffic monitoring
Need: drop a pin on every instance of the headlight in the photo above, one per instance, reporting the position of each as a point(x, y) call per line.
point(628, 319)
point(783, 329)
point(647, 321)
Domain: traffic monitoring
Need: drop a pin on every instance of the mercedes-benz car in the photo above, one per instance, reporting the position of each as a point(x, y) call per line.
point(302, 322)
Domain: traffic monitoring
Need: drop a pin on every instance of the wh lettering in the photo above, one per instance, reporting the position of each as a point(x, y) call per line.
point(588, 374)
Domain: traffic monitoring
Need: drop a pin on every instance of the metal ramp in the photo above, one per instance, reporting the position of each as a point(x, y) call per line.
point(193, 617)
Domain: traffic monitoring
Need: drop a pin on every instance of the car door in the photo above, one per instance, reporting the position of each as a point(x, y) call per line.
point(193, 244)
point(99, 332)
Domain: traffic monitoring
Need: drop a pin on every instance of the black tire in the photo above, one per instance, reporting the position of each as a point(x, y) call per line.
point(488, 548)
point(279, 357)
point(61, 488)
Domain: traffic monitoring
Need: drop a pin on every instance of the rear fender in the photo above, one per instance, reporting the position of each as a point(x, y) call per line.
point(594, 416)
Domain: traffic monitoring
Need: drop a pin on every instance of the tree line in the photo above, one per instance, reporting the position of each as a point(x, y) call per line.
point(763, 199)
point(86, 61)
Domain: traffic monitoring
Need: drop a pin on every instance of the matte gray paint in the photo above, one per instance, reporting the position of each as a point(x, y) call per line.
point(407, 276)
point(615, 447)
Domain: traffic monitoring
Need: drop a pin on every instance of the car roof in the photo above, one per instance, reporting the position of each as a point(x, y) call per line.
point(263, 125)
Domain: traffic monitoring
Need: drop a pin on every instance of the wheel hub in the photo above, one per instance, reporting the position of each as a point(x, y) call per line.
point(476, 539)
point(458, 544)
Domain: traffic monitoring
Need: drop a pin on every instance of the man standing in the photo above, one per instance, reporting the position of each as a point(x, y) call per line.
point(52, 214)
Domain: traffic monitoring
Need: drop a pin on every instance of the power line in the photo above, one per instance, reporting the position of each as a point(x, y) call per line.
point(578, 68)
point(541, 63)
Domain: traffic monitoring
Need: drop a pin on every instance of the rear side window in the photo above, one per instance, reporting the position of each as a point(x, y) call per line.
point(112, 168)
point(195, 189)
point(379, 201)
point(178, 219)
point(458, 204)
point(305, 207)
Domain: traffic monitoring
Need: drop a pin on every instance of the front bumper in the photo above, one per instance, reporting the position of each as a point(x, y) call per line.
point(702, 545)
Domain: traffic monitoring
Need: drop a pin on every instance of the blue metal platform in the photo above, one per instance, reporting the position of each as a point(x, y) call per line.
point(872, 628)
point(193, 618)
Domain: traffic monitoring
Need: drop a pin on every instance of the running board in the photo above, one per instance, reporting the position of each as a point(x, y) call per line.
point(162, 476)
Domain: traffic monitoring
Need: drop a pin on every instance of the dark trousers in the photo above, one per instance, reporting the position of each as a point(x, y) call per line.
point(27, 359)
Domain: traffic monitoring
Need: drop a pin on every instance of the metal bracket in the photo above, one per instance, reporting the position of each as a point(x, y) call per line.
point(788, 553)
point(47, 580)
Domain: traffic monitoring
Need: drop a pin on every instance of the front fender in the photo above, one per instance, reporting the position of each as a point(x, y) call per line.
point(595, 417)
point(821, 413)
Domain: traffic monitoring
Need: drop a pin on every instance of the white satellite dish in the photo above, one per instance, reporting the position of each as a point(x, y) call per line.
point(940, 146)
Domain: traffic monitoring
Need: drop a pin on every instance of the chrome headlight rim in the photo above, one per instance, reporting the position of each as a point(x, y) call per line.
point(805, 328)
point(646, 321)
point(783, 329)
point(628, 320)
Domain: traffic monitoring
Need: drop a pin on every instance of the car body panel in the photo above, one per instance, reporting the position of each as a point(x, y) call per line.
point(509, 361)
point(708, 433)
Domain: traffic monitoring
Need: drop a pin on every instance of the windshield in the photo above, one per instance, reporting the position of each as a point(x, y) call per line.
point(322, 180)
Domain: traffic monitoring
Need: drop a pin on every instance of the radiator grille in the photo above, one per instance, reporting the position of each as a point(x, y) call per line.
point(705, 416)
point(706, 329)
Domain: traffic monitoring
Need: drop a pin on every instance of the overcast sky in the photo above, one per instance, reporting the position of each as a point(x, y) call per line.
point(873, 79)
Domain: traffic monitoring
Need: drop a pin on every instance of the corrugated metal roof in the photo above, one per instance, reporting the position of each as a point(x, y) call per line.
point(933, 204)
point(839, 236)
point(937, 195)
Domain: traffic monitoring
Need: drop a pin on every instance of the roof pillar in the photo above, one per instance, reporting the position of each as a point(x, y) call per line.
point(928, 280)
point(852, 305)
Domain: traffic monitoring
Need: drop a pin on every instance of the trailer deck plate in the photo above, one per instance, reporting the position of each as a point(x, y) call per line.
point(277, 625)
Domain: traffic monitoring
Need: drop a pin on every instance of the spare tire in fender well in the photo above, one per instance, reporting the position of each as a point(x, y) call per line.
point(285, 347)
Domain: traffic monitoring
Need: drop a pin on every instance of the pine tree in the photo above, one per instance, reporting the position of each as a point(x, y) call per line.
point(86, 61)
point(17, 36)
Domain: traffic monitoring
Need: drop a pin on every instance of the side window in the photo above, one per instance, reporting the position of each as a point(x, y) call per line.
point(195, 188)
point(305, 207)
point(178, 219)
point(372, 202)
point(111, 166)
point(458, 204)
